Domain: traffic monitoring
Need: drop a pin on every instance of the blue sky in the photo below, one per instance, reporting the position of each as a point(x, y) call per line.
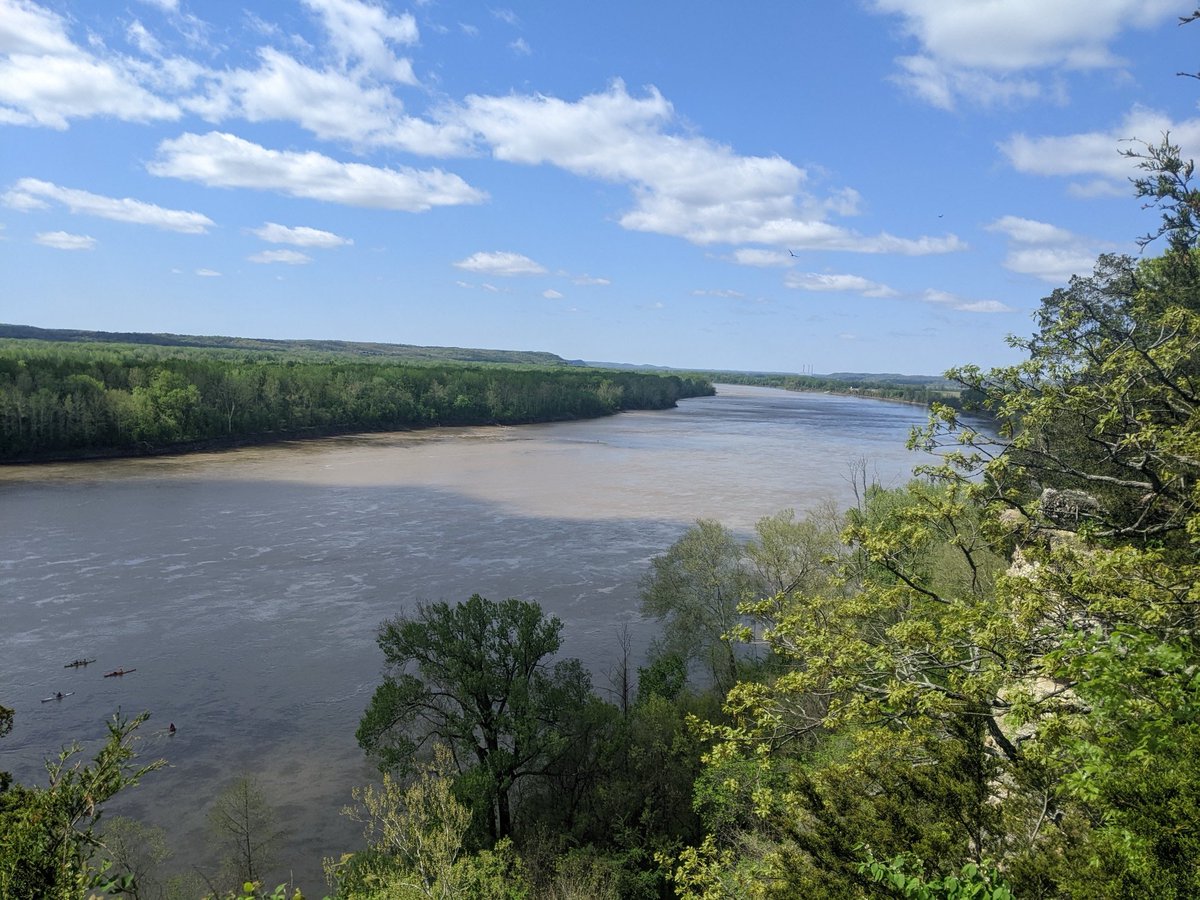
point(875, 185)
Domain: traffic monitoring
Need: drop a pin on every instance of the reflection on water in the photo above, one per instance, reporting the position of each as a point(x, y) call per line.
point(246, 587)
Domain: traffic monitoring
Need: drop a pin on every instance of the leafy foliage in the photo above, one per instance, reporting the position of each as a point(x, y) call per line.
point(476, 676)
point(71, 399)
point(48, 835)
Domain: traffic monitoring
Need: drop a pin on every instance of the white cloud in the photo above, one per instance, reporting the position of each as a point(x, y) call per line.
point(208, 273)
point(218, 159)
point(62, 240)
point(588, 280)
point(943, 298)
point(982, 50)
point(1053, 264)
point(289, 257)
point(552, 294)
point(143, 39)
point(723, 293)
point(684, 186)
point(299, 236)
point(362, 33)
point(1030, 231)
point(1097, 155)
point(46, 80)
point(815, 281)
point(167, 5)
point(520, 47)
point(30, 193)
point(332, 104)
point(1045, 251)
point(501, 263)
point(752, 256)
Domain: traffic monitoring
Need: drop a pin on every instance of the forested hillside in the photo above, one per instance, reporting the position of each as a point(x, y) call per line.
point(65, 399)
point(408, 352)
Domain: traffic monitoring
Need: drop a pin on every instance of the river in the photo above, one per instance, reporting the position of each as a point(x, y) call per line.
point(246, 587)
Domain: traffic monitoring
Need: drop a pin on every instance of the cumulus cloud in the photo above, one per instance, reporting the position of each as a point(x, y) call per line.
point(684, 186)
point(551, 294)
point(363, 35)
point(821, 283)
point(62, 240)
point(1097, 155)
point(299, 236)
point(218, 159)
point(30, 193)
point(329, 102)
point(288, 257)
point(47, 80)
point(501, 263)
point(1045, 251)
point(1001, 51)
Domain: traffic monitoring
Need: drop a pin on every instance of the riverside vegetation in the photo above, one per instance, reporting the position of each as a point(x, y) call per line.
point(983, 684)
point(65, 398)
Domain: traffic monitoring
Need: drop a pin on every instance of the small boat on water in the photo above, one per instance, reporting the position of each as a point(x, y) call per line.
point(57, 696)
point(118, 672)
point(77, 663)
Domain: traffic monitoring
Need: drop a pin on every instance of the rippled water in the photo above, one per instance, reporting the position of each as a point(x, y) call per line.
point(246, 587)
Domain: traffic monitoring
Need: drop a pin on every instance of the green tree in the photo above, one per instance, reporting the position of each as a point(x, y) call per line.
point(693, 590)
point(478, 677)
point(414, 836)
point(49, 835)
point(243, 824)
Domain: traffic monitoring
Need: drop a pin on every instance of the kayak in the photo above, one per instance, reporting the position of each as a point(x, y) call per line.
point(118, 672)
point(78, 663)
point(58, 696)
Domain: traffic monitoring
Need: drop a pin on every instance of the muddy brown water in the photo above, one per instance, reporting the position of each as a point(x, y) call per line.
point(246, 587)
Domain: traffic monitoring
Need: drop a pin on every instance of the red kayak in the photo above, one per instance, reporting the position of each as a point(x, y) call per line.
point(118, 672)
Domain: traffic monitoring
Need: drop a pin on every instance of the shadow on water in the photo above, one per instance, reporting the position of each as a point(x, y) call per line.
point(246, 588)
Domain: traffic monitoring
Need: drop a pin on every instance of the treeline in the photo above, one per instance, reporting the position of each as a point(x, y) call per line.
point(365, 349)
point(924, 392)
point(64, 399)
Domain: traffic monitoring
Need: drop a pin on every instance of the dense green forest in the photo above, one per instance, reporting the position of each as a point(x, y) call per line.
point(982, 684)
point(59, 399)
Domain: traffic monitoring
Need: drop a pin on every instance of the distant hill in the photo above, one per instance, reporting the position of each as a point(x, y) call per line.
point(347, 348)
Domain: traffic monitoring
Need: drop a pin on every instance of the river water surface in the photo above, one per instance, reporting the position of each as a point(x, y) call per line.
point(246, 587)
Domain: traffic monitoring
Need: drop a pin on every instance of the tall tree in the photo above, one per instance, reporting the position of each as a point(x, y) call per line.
point(694, 590)
point(477, 676)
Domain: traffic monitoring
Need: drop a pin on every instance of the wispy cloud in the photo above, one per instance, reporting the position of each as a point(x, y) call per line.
point(218, 159)
point(685, 186)
point(47, 80)
point(1045, 251)
point(288, 257)
point(31, 193)
point(990, 53)
point(823, 282)
point(961, 304)
point(62, 240)
point(299, 236)
point(501, 263)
